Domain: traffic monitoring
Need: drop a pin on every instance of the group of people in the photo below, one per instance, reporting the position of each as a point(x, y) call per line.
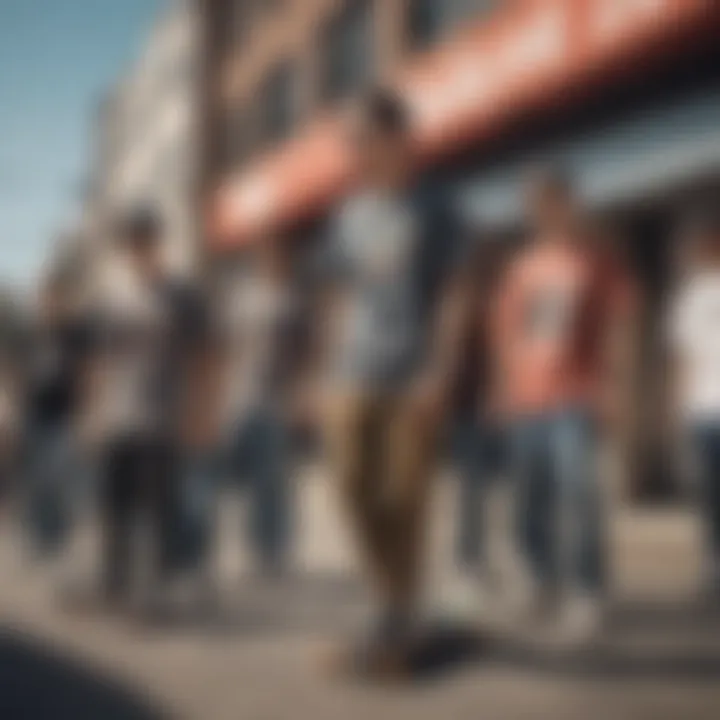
point(417, 333)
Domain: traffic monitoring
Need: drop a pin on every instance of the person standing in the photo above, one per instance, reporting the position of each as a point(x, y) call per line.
point(694, 329)
point(263, 326)
point(476, 437)
point(393, 339)
point(148, 331)
point(53, 395)
point(14, 354)
point(555, 309)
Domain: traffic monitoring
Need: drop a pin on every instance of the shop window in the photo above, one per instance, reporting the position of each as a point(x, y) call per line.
point(430, 19)
point(239, 21)
point(237, 142)
point(347, 43)
point(278, 102)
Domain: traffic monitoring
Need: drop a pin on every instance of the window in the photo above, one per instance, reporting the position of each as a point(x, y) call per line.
point(236, 145)
point(238, 21)
point(279, 103)
point(429, 19)
point(270, 6)
point(348, 51)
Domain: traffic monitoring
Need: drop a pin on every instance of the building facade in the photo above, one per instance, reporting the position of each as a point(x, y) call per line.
point(274, 69)
point(624, 94)
point(147, 144)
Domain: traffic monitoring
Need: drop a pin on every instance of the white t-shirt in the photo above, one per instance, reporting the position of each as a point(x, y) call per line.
point(695, 337)
point(259, 320)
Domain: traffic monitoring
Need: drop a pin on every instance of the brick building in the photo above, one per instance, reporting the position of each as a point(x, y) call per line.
point(624, 94)
point(275, 67)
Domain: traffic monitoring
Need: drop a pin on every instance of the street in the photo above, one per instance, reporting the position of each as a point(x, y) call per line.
point(261, 658)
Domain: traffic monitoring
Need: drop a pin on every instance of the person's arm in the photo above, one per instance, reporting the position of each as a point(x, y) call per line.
point(92, 378)
point(329, 273)
point(203, 372)
point(676, 340)
point(449, 321)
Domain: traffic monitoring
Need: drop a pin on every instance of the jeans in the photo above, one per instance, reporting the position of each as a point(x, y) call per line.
point(140, 479)
point(476, 454)
point(259, 454)
point(196, 523)
point(52, 480)
point(705, 439)
point(559, 509)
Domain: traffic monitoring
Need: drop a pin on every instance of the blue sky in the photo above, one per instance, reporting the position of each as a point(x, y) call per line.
point(56, 57)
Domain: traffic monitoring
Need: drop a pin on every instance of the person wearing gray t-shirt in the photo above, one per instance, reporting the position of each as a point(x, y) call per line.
point(393, 345)
point(261, 326)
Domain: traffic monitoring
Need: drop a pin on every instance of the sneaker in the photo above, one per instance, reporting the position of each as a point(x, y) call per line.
point(465, 598)
point(580, 619)
point(384, 654)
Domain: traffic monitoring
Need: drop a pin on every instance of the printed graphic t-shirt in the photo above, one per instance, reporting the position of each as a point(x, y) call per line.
point(391, 255)
point(552, 320)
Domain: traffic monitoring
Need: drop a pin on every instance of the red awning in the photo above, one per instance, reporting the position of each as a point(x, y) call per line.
point(533, 54)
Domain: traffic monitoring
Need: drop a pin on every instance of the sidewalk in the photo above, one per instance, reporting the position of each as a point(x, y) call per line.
point(661, 661)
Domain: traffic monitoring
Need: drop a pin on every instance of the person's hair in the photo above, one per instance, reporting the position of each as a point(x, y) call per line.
point(383, 109)
point(141, 226)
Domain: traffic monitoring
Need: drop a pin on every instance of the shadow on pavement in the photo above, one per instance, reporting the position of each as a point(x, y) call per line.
point(37, 682)
point(287, 606)
point(643, 642)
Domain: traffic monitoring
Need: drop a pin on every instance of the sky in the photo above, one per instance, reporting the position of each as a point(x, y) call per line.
point(56, 58)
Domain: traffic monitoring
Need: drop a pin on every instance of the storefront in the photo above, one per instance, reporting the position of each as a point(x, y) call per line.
point(624, 94)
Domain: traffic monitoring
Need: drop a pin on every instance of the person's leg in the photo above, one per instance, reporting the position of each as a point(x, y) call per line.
point(117, 505)
point(579, 543)
point(353, 434)
point(410, 462)
point(160, 470)
point(579, 540)
point(468, 452)
point(198, 478)
point(45, 508)
point(706, 446)
point(528, 466)
point(270, 487)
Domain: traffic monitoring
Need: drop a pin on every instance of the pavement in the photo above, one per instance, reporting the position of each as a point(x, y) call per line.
point(260, 657)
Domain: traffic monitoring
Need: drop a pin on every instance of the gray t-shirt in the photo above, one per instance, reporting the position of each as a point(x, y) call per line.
point(145, 336)
point(390, 256)
point(262, 329)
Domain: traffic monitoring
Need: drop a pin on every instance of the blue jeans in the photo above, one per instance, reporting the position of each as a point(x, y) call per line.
point(559, 508)
point(52, 482)
point(196, 524)
point(705, 439)
point(477, 455)
point(260, 455)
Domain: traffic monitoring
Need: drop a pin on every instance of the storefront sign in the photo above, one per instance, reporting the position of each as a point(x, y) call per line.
point(533, 54)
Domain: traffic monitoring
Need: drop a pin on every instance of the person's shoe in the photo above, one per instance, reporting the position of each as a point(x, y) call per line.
point(467, 598)
point(580, 619)
point(375, 662)
point(385, 654)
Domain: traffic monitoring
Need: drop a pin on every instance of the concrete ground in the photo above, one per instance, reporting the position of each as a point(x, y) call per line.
point(260, 660)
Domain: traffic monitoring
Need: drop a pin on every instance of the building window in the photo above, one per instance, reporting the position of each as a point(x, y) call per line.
point(348, 62)
point(278, 102)
point(271, 6)
point(430, 19)
point(237, 141)
point(238, 21)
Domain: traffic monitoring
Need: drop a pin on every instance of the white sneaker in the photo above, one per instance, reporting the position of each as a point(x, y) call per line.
point(466, 599)
point(580, 620)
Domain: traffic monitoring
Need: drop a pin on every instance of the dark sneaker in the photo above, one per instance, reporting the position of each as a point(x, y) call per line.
point(385, 654)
